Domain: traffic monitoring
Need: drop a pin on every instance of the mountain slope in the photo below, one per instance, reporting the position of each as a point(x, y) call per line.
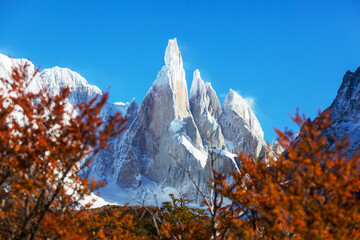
point(345, 110)
point(165, 133)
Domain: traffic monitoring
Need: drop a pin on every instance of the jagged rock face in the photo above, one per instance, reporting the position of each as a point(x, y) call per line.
point(103, 167)
point(163, 119)
point(235, 105)
point(241, 129)
point(206, 109)
point(168, 131)
point(167, 98)
point(345, 110)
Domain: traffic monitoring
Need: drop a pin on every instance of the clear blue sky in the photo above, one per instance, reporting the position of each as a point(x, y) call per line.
point(284, 54)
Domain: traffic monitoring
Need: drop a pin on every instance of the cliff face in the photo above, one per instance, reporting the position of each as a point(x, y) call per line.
point(345, 110)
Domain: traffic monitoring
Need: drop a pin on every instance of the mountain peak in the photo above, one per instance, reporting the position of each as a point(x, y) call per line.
point(197, 85)
point(232, 93)
point(172, 54)
point(234, 102)
point(197, 73)
point(357, 71)
point(172, 74)
point(57, 78)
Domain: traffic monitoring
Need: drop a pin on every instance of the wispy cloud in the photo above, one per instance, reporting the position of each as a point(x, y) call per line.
point(249, 99)
point(251, 102)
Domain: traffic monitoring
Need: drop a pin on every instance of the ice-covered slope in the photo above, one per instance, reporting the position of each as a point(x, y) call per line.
point(57, 78)
point(240, 127)
point(7, 63)
point(206, 109)
point(53, 79)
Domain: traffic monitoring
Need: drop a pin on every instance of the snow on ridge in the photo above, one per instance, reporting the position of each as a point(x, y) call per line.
point(173, 70)
point(237, 103)
point(234, 102)
point(8, 63)
point(53, 79)
point(172, 55)
point(225, 153)
point(113, 194)
point(95, 201)
point(171, 73)
point(122, 107)
point(200, 156)
point(176, 125)
point(58, 77)
point(197, 85)
point(230, 155)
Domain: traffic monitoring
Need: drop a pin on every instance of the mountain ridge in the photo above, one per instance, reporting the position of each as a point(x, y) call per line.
point(169, 123)
point(345, 111)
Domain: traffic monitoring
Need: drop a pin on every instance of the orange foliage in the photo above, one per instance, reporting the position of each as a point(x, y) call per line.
point(42, 142)
point(311, 192)
point(178, 221)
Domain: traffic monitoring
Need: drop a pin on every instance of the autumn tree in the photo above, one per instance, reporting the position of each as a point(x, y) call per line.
point(184, 221)
point(309, 192)
point(174, 220)
point(43, 142)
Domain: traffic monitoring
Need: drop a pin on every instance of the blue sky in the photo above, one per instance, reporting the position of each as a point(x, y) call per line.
point(282, 54)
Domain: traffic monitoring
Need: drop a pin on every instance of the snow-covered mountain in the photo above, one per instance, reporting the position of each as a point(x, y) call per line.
point(345, 110)
point(167, 132)
point(53, 79)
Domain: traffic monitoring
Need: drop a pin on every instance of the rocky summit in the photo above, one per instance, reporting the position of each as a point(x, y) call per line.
point(168, 133)
point(345, 111)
